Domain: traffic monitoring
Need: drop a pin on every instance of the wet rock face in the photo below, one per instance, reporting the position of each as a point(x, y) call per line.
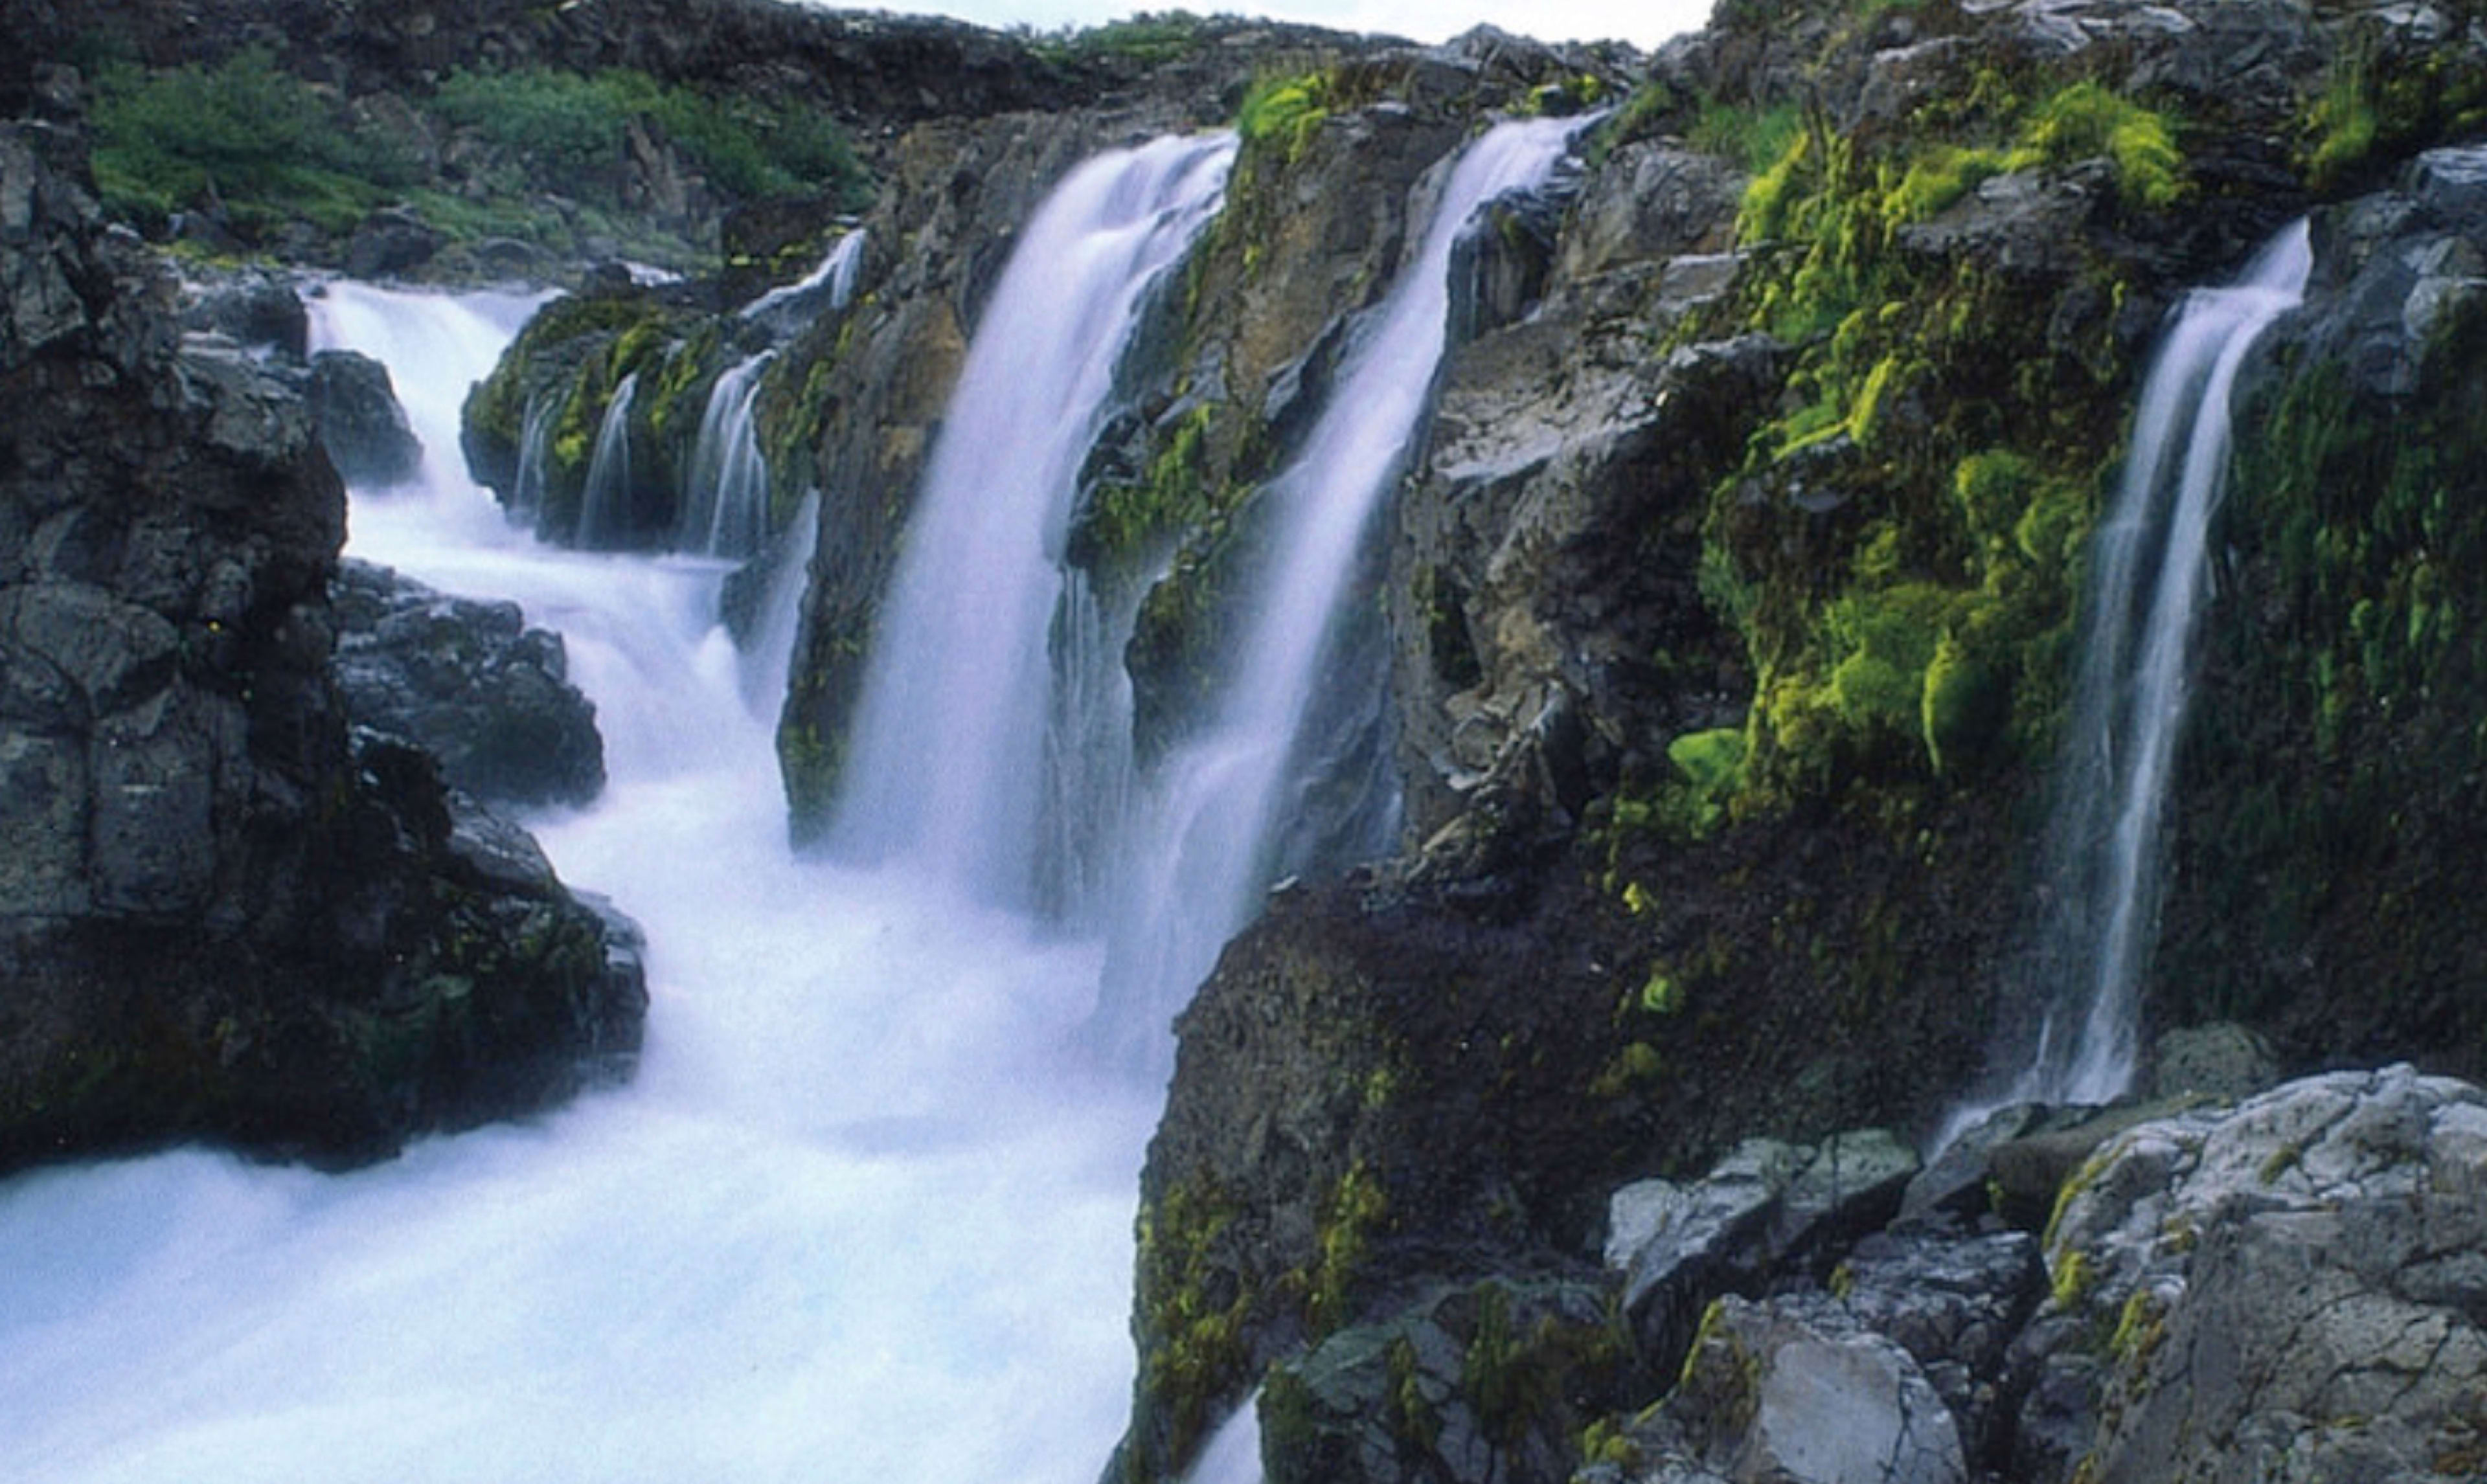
point(361, 425)
point(220, 915)
point(469, 684)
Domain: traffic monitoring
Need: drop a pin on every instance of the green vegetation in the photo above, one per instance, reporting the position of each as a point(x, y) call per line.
point(1197, 1351)
point(242, 132)
point(2369, 112)
point(268, 152)
point(1148, 38)
point(1755, 138)
point(1282, 112)
point(579, 126)
point(1914, 623)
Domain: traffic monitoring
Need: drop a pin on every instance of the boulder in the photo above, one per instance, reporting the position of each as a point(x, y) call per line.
point(360, 422)
point(2293, 1288)
point(255, 308)
point(1796, 1393)
point(469, 682)
point(1469, 1386)
point(1770, 1212)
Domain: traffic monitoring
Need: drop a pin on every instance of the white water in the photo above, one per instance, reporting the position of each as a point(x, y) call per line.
point(836, 275)
point(725, 494)
point(604, 497)
point(1233, 1455)
point(948, 752)
point(1197, 861)
point(2149, 578)
point(855, 1219)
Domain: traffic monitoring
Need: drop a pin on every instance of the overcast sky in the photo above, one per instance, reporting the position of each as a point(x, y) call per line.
point(1643, 23)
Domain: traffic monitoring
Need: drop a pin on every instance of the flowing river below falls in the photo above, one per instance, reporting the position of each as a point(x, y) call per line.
point(863, 1215)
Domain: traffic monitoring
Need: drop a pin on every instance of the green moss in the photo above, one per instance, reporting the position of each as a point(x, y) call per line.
point(2088, 120)
point(1352, 1216)
point(1191, 1311)
point(1283, 113)
point(2072, 1282)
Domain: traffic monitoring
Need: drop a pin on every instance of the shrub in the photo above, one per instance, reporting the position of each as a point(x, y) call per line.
point(242, 132)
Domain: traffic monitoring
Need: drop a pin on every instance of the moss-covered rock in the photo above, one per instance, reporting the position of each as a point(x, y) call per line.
point(530, 431)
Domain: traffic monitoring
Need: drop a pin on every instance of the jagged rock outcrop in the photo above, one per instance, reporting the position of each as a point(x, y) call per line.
point(1736, 578)
point(222, 914)
point(469, 684)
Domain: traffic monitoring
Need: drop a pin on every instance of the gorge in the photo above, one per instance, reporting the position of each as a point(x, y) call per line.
point(1579, 907)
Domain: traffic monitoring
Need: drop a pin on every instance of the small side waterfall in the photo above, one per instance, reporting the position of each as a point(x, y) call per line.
point(603, 501)
point(535, 448)
point(948, 758)
point(833, 282)
point(725, 494)
point(2150, 573)
point(1198, 859)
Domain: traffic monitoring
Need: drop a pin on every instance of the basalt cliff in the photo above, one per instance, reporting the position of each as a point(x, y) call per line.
point(1671, 868)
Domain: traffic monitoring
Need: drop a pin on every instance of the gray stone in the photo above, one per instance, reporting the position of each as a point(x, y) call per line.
point(2288, 1287)
point(360, 422)
point(2225, 1062)
point(43, 825)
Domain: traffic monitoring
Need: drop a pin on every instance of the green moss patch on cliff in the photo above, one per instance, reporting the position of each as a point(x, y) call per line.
point(243, 134)
point(1900, 548)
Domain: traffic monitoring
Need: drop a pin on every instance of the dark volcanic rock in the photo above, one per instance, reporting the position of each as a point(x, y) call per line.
point(360, 422)
point(469, 682)
point(219, 916)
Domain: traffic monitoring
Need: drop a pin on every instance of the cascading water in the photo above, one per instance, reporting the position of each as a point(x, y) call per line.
point(1197, 862)
point(833, 283)
point(947, 768)
point(725, 496)
point(858, 1217)
point(2149, 574)
point(603, 501)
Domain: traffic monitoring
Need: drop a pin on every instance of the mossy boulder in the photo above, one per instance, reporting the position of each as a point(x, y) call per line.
point(531, 429)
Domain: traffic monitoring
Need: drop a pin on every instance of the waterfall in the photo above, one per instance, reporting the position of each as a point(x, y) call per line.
point(948, 746)
point(604, 500)
point(860, 1216)
point(834, 280)
point(2149, 576)
point(535, 449)
point(1198, 856)
point(1232, 1454)
point(725, 493)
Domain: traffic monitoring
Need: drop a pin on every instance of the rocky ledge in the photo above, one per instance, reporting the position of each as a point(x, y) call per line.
point(2290, 1287)
point(224, 912)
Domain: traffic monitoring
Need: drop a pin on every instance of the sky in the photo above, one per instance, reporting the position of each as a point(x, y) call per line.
point(1643, 23)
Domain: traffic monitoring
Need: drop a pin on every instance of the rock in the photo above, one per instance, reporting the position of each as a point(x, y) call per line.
point(2291, 1286)
point(223, 915)
point(361, 424)
point(2225, 1062)
point(1795, 1392)
point(254, 310)
point(391, 243)
point(1767, 1213)
point(1955, 1303)
point(2029, 1169)
point(1469, 1386)
point(470, 683)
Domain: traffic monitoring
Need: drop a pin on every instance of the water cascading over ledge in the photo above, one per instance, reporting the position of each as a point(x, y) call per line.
point(2150, 578)
point(947, 771)
point(1197, 855)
